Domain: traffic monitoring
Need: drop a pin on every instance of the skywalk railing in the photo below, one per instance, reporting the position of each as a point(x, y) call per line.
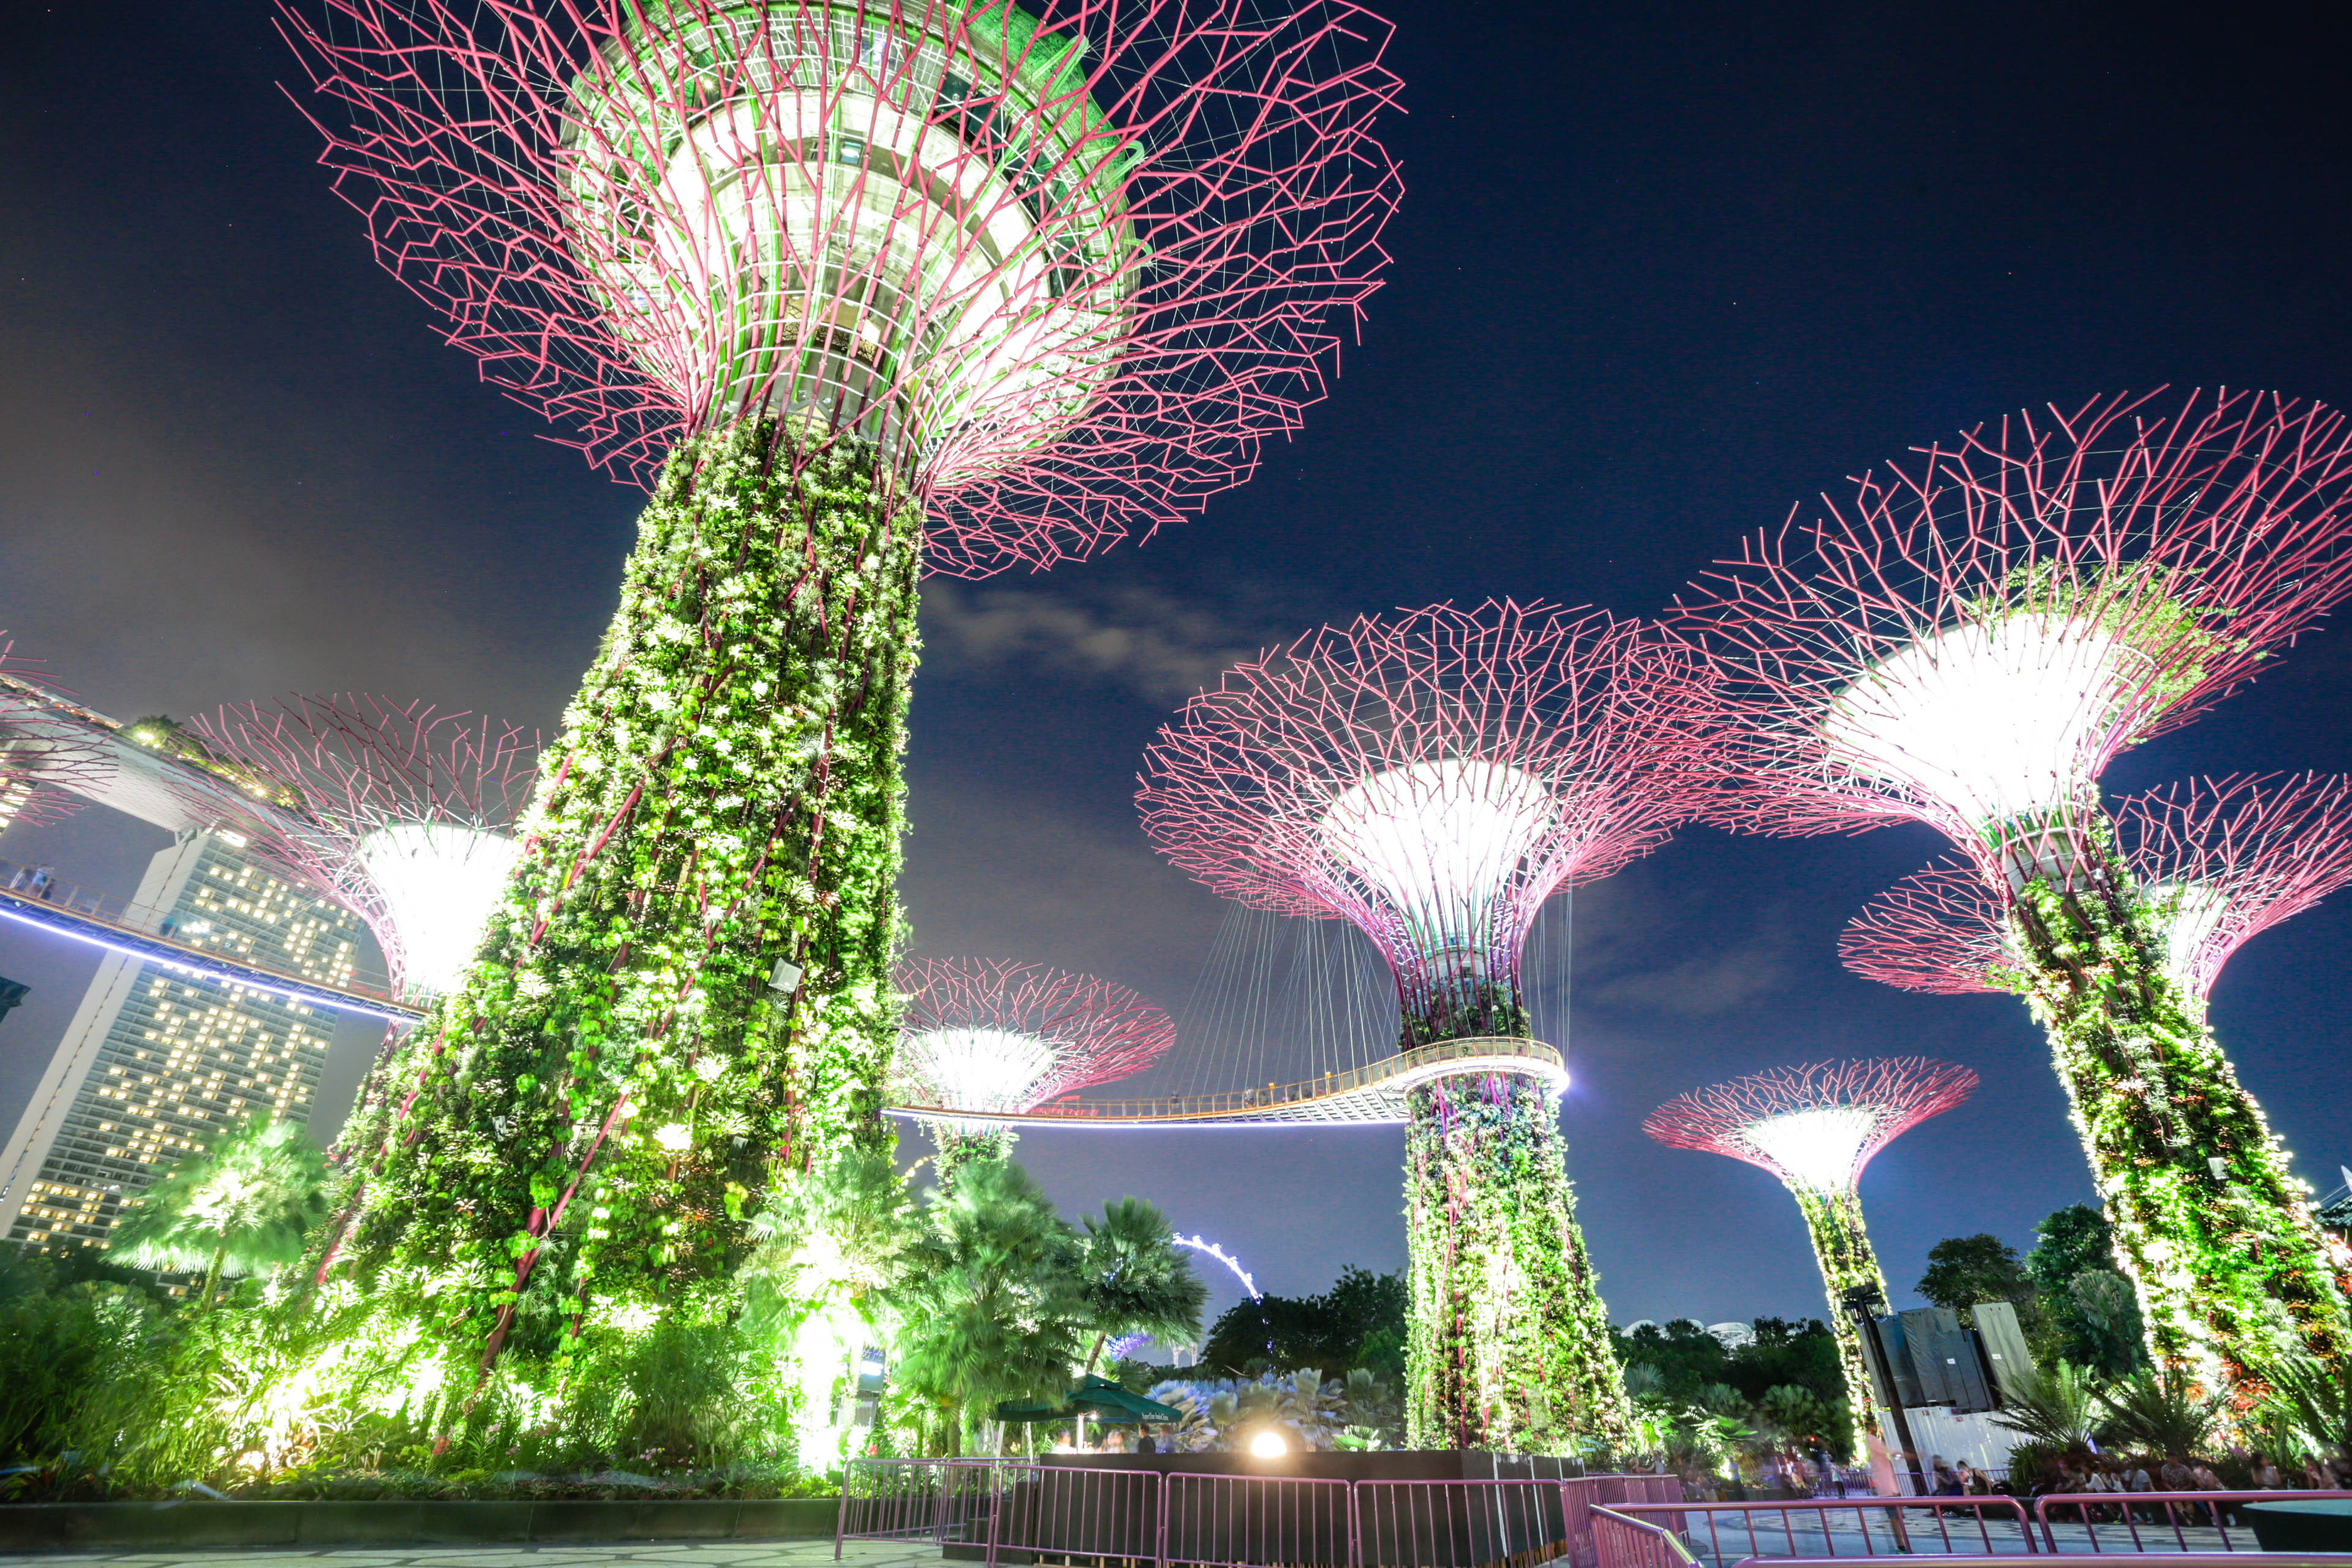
point(32, 895)
point(1419, 1061)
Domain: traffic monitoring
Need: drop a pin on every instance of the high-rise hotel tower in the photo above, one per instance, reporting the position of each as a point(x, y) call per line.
point(158, 1063)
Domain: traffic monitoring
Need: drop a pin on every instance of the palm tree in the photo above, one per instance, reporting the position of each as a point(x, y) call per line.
point(989, 1301)
point(1135, 1280)
point(2158, 1412)
point(829, 1238)
point(2317, 1400)
point(2056, 1408)
point(242, 1206)
point(825, 1249)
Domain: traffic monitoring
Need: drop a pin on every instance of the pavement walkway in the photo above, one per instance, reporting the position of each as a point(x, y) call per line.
point(622, 1554)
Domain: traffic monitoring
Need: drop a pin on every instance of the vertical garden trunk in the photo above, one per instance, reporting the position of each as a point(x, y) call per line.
point(1508, 1348)
point(2211, 1228)
point(687, 982)
point(1841, 1248)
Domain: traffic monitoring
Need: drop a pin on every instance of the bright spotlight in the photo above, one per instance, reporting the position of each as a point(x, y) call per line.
point(1269, 1445)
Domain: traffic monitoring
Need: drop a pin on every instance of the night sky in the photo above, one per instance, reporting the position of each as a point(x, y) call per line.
point(1662, 270)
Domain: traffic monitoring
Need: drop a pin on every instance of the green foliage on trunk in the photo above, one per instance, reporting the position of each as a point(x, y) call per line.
point(574, 1135)
point(960, 1146)
point(1841, 1248)
point(1508, 1347)
point(2217, 1235)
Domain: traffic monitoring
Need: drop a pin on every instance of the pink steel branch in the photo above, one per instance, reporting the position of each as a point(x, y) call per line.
point(1899, 1093)
point(1573, 737)
point(507, 159)
point(363, 764)
point(2124, 513)
point(45, 757)
point(1098, 1031)
point(2238, 853)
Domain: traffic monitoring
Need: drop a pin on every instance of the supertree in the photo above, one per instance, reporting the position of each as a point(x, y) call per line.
point(1433, 778)
point(850, 280)
point(2217, 861)
point(45, 760)
point(406, 817)
point(1817, 1127)
point(1968, 644)
point(982, 1038)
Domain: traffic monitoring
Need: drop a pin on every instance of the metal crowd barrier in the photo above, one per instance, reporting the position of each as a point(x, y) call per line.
point(1621, 1541)
point(905, 1500)
point(1256, 1521)
point(1068, 1514)
point(1459, 1524)
point(1062, 1511)
point(1187, 1521)
point(2181, 1513)
point(1999, 1524)
point(2153, 1559)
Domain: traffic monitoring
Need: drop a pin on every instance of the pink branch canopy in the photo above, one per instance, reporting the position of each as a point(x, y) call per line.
point(400, 813)
point(1432, 776)
point(1970, 640)
point(2219, 861)
point(1071, 271)
point(1815, 1126)
point(982, 1035)
point(47, 757)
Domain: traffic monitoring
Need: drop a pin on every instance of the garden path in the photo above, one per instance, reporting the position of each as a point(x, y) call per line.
point(815, 1554)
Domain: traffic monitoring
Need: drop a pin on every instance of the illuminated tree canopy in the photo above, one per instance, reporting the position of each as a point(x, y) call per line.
point(2219, 861)
point(1817, 1128)
point(1432, 777)
point(1968, 644)
point(44, 759)
point(981, 1036)
point(405, 818)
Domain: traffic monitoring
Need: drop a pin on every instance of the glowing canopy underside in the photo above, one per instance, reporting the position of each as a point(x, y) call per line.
point(440, 882)
point(2000, 721)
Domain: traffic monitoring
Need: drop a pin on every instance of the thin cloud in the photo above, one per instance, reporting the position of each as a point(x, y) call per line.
point(1148, 642)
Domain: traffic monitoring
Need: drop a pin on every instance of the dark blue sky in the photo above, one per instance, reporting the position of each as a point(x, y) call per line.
point(1662, 270)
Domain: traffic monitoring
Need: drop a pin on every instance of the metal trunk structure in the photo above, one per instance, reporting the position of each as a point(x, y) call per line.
point(1969, 646)
point(1432, 779)
point(1817, 1128)
point(2233, 1270)
point(690, 968)
point(2116, 962)
point(1507, 1343)
point(862, 283)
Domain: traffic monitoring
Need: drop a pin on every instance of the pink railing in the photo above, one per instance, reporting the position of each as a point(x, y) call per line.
point(1190, 1521)
point(1459, 1524)
point(1998, 1523)
point(905, 1500)
point(2152, 1559)
point(1066, 1511)
point(2173, 1513)
point(1186, 1521)
point(1620, 1541)
point(1256, 1521)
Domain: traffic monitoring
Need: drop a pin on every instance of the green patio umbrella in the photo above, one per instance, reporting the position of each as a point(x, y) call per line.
point(1107, 1401)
